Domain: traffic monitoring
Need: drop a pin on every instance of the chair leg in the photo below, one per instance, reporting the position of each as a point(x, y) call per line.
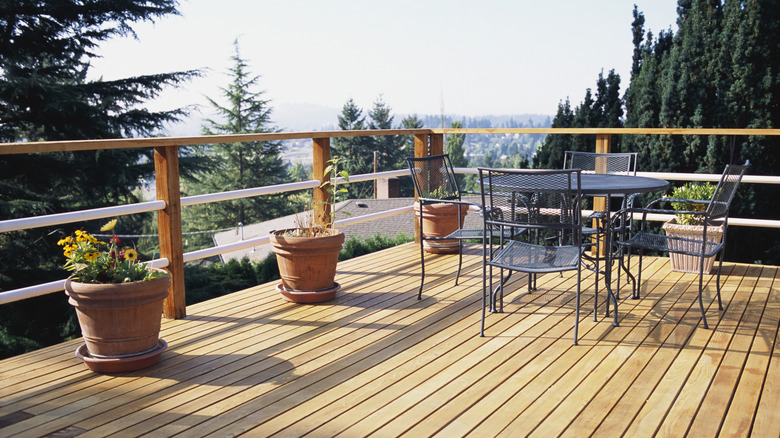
point(596, 265)
point(460, 260)
point(422, 270)
point(717, 280)
point(701, 300)
point(639, 274)
point(577, 306)
point(701, 291)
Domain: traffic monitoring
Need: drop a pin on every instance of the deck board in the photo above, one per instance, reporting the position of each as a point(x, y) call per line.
point(378, 362)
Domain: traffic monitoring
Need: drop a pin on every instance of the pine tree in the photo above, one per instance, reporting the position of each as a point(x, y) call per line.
point(45, 57)
point(356, 151)
point(390, 147)
point(410, 122)
point(242, 165)
point(720, 70)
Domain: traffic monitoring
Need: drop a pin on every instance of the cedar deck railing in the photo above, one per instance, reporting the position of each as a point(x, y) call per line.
point(169, 202)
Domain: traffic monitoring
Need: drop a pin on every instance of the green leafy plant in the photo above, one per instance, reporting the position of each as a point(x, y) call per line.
point(308, 224)
point(95, 261)
point(692, 191)
point(439, 193)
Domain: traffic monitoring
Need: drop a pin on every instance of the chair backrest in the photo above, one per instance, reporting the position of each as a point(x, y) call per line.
point(434, 177)
point(725, 191)
point(531, 199)
point(621, 163)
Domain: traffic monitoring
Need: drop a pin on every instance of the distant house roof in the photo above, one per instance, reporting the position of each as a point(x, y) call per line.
point(389, 226)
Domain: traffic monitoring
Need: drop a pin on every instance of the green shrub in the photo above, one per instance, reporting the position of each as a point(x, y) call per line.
point(695, 191)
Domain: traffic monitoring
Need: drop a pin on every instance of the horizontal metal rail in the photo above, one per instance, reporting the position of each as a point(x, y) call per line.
point(79, 216)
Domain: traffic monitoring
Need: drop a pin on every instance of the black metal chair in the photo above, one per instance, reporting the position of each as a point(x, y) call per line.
point(435, 183)
point(715, 215)
point(547, 204)
point(620, 163)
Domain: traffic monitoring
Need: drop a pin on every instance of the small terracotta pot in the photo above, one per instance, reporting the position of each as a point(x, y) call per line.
point(307, 263)
point(440, 220)
point(122, 319)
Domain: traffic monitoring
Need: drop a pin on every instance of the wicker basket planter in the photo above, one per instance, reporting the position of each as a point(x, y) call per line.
point(689, 263)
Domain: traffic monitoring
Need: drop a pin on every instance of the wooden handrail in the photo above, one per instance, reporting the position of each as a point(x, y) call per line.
point(126, 143)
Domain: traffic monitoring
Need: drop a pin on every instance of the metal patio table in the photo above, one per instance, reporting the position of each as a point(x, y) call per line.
point(606, 185)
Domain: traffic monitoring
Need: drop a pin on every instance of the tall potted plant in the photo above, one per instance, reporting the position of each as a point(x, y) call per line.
point(118, 302)
point(689, 226)
point(307, 255)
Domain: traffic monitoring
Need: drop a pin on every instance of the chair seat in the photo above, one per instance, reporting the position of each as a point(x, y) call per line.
point(589, 231)
point(677, 245)
point(478, 234)
point(527, 257)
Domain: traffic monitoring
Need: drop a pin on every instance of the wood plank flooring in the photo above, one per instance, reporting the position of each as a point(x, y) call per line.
point(378, 362)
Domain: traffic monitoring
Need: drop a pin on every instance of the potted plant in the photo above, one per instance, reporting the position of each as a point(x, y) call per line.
point(307, 255)
point(439, 220)
point(118, 302)
point(689, 226)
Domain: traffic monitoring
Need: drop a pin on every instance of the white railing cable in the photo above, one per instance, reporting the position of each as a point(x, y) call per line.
point(79, 216)
point(24, 293)
point(248, 193)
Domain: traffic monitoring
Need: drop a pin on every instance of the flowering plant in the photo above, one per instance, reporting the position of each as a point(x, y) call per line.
point(95, 261)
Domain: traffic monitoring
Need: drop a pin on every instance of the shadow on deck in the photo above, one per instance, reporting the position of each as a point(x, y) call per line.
point(376, 361)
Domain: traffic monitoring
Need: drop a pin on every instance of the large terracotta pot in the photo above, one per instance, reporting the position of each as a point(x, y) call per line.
point(307, 264)
point(685, 262)
point(119, 320)
point(440, 220)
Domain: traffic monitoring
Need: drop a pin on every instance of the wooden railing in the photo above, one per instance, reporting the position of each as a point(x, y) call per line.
point(169, 201)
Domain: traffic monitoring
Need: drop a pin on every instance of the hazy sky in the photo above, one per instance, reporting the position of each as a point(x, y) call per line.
point(478, 57)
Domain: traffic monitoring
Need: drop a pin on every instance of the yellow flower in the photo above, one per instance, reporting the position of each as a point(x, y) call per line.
point(65, 240)
point(90, 256)
point(109, 226)
point(130, 255)
point(68, 252)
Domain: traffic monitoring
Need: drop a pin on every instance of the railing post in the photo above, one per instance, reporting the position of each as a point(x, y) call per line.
point(603, 146)
point(437, 144)
point(420, 151)
point(320, 159)
point(166, 168)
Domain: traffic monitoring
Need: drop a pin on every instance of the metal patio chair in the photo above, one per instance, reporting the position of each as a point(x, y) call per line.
point(545, 203)
point(620, 163)
point(435, 183)
point(715, 215)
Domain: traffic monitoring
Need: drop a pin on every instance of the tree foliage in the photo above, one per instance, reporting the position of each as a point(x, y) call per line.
point(603, 111)
point(240, 165)
point(720, 70)
point(45, 57)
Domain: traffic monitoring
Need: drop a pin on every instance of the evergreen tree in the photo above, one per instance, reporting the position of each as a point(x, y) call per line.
point(720, 70)
point(356, 151)
point(606, 110)
point(389, 148)
point(44, 95)
point(242, 165)
point(410, 122)
point(456, 147)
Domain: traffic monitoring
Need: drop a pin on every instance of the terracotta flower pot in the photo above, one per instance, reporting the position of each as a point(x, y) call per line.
point(685, 262)
point(120, 320)
point(440, 220)
point(307, 264)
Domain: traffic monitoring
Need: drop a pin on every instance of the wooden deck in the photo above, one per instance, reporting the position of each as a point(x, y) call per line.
point(377, 362)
